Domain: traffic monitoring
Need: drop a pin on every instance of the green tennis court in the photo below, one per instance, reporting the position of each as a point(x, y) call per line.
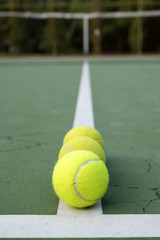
point(38, 100)
point(37, 107)
point(127, 111)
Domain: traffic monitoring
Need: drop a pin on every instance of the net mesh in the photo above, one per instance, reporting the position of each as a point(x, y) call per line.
point(91, 32)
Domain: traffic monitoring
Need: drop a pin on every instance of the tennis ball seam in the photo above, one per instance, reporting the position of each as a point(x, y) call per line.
point(69, 148)
point(76, 177)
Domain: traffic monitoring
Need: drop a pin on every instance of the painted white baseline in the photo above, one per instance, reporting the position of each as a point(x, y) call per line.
point(104, 226)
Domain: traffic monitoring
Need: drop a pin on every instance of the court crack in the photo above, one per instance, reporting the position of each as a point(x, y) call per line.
point(15, 143)
point(149, 166)
point(156, 190)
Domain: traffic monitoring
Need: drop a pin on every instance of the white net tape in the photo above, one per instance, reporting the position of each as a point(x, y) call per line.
point(60, 15)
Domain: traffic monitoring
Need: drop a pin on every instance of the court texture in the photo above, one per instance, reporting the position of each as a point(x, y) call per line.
point(40, 100)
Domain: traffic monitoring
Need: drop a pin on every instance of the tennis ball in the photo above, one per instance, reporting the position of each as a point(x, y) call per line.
point(84, 131)
point(83, 143)
point(80, 178)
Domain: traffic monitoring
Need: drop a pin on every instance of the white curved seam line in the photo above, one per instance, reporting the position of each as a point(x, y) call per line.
point(75, 181)
point(70, 149)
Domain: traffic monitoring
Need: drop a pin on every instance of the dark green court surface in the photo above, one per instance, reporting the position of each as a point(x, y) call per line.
point(126, 96)
point(37, 102)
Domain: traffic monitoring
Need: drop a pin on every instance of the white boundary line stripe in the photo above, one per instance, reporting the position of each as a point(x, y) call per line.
point(84, 108)
point(104, 226)
point(83, 116)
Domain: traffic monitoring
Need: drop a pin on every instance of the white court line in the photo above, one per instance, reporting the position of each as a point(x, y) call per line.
point(104, 226)
point(83, 116)
point(84, 109)
point(84, 223)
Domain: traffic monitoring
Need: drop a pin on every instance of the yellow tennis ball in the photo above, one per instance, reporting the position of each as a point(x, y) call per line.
point(83, 143)
point(80, 178)
point(84, 131)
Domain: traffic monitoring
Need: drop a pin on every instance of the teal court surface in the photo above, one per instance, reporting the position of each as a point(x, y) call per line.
point(37, 106)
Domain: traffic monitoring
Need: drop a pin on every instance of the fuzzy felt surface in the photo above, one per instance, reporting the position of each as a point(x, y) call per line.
point(83, 143)
point(84, 131)
point(90, 177)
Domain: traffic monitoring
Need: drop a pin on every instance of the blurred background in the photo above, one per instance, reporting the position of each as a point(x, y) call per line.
point(65, 36)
